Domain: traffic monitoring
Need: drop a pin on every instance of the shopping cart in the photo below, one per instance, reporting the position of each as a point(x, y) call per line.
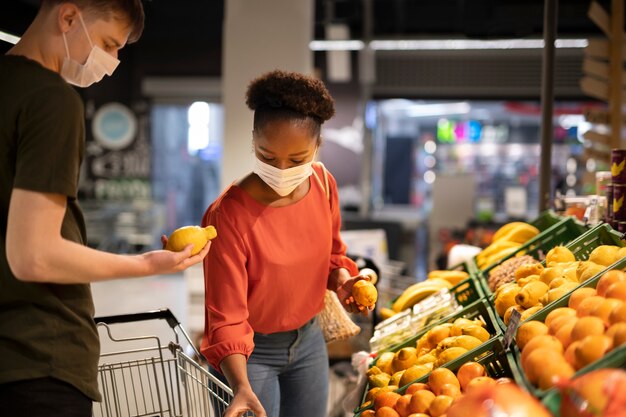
point(147, 378)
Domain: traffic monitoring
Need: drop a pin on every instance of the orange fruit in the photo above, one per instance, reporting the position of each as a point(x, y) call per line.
point(418, 415)
point(529, 330)
point(587, 326)
point(617, 333)
point(618, 314)
point(587, 305)
point(403, 405)
point(386, 399)
point(579, 295)
point(556, 324)
point(469, 371)
point(557, 312)
point(421, 400)
point(440, 376)
point(386, 412)
point(565, 333)
point(552, 372)
point(417, 386)
point(609, 278)
point(617, 290)
point(537, 360)
point(451, 390)
point(592, 348)
point(364, 293)
point(543, 341)
point(479, 382)
point(440, 405)
point(368, 413)
point(570, 354)
point(371, 394)
point(603, 310)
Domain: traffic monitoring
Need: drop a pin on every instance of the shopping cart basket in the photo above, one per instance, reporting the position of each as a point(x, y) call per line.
point(144, 377)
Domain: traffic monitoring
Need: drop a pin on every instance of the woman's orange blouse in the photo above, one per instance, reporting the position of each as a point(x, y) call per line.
point(268, 268)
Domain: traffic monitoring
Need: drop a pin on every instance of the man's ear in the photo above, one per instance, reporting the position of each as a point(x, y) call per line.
point(67, 16)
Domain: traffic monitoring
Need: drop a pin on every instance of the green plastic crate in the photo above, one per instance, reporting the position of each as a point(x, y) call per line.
point(541, 315)
point(497, 361)
point(561, 233)
point(546, 219)
point(477, 310)
point(582, 247)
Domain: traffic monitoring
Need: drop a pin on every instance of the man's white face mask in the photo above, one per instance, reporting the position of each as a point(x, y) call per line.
point(93, 70)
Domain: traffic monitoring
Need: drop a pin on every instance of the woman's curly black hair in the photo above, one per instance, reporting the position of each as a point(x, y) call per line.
point(282, 95)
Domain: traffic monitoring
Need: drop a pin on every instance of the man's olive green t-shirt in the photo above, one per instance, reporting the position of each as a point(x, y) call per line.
point(46, 330)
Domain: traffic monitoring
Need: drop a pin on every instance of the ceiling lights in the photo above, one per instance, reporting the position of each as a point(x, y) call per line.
point(7, 37)
point(442, 44)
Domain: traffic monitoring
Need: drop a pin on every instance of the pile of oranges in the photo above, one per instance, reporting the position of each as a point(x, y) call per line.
point(432, 399)
point(572, 337)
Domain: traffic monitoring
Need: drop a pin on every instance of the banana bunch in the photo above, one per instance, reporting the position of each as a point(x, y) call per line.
point(417, 292)
point(506, 240)
point(453, 277)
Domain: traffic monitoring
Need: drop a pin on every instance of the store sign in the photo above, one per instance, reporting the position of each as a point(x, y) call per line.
point(470, 131)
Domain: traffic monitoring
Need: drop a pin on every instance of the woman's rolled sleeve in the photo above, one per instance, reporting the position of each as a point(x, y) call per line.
point(227, 330)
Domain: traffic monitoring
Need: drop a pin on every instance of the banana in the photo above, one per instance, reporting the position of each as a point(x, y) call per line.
point(521, 233)
point(492, 259)
point(415, 294)
point(453, 277)
point(495, 248)
point(386, 313)
point(504, 230)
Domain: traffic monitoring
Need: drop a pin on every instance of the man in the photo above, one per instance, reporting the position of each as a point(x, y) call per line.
point(48, 341)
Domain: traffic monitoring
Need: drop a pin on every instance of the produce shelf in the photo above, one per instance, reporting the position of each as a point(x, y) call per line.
point(561, 233)
point(614, 359)
point(477, 310)
point(582, 247)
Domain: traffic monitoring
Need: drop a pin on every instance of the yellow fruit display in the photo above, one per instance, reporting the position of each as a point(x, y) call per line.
point(559, 254)
point(364, 293)
point(526, 270)
point(604, 255)
point(190, 235)
point(384, 362)
point(476, 331)
point(413, 373)
point(404, 358)
point(506, 298)
point(449, 355)
point(530, 294)
point(379, 380)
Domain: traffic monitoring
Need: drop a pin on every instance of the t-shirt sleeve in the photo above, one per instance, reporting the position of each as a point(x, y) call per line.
point(227, 330)
point(50, 142)
point(338, 258)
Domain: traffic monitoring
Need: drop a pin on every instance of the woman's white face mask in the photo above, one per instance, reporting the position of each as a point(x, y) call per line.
point(283, 181)
point(93, 70)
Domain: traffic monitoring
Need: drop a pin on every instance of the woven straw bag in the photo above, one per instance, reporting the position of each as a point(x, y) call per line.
point(334, 320)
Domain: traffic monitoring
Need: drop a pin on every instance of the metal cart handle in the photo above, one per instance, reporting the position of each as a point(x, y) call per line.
point(162, 314)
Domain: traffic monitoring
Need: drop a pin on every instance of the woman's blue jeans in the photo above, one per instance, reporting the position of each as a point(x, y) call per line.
point(288, 371)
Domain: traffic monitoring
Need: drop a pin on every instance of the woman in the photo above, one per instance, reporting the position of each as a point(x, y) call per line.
point(279, 250)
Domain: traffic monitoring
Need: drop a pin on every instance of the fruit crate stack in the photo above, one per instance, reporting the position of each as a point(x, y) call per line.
point(571, 273)
point(464, 336)
point(561, 233)
point(589, 323)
